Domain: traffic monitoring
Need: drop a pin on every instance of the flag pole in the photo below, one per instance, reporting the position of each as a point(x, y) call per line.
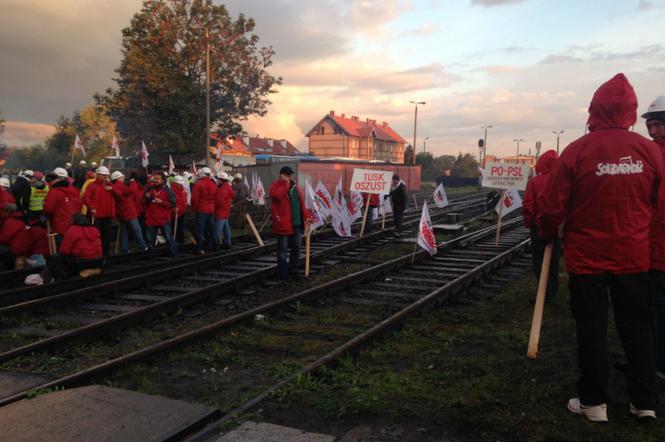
point(537, 321)
point(498, 224)
point(362, 228)
point(308, 232)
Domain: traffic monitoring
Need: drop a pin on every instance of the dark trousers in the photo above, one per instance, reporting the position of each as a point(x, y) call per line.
point(105, 226)
point(658, 288)
point(398, 216)
point(633, 313)
point(205, 230)
point(284, 243)
point(537, 252)
point(63, 266)
point(180, 233)
point(369, 224)
point(151, 238)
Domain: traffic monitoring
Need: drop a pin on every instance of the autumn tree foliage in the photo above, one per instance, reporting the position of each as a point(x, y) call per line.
point(160, 89)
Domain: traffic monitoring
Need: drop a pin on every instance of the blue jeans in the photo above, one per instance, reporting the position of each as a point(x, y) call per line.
point(284, 243)
point(658, 287)
point(222, 226)
point(151, 234)
point(205, 229)
point(135, 227)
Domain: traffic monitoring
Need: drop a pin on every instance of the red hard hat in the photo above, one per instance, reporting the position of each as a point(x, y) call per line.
point(38, 175)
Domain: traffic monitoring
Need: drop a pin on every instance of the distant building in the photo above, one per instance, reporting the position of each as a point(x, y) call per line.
point(269, 146)
point(341, 137)
point(529, 160)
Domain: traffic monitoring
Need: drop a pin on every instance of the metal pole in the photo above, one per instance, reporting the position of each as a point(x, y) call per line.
point(415, 128)
point(558, 134)
point(207, 142)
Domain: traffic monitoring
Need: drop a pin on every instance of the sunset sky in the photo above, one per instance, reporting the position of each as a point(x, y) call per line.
point(525, 66)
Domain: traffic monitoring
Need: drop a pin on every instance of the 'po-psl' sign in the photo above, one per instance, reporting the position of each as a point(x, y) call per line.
point(371, 181)
point(505, 176)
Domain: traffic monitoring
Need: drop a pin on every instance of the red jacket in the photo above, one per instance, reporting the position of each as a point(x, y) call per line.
point(373, 199)
point(61, 203)
point(99, 199)
point(38, 240)
point(5, 198)
point(14, 233)
point(223, 201)
point(83, 242)
point(535, 186)
point(180, 199)
point(203, 196)
point(604, 188)
point(123, 196)
point(657, 232)
point(158, 213)
point(139, 198)
point(281, 208)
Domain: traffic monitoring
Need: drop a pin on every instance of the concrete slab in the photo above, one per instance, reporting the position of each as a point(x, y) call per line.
point(11, 383)
point(97, 413)
point(264, 432)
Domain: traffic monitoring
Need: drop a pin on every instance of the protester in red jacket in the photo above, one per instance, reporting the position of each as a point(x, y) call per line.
point(14, 233)
point(225, 195)
point(203, 206)
point(373, 204)
point(603, 189)
point(125, 207)
point(82, 241)
point(61, 203)
point(289, 216)
point(7, 201)
point(98, 198)
point(160, 201)
point(180, 208)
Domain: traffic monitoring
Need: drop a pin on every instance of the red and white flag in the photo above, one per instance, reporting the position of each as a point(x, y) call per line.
point(171, 165)
point(219, 159)
point(386, 206)
point(115, 148)
point(324, 199)
point(440, 198)
point(339, 200)
point(355, 206)
point(144, 155)
point(260, 192)
point(426, 238)
point(511, 201)
point(79, 146)
point(313, 207)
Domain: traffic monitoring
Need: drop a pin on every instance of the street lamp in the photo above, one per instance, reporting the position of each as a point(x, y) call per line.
point(415, 127)
point(518, 149)
point(484, 152)
point(425, 144)
point(558, 134)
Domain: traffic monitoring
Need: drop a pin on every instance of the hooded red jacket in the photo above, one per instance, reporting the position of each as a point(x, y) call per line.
point(5, 198)
point(97, 198)
point(535, 186)
point(157, 214)
point(123, 196)
point(14, 233)
point(604, 188)
point(203, 196)
point(83, 242)
point(657, 232)
point(60, 204)
point(281, 207)
point(223, 201)
point(180, 199)
point(139, 198)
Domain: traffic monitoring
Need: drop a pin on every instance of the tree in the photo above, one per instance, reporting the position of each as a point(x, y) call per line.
point(161, 84)
point(37, 157)
point(465, 166)
point(408, 155)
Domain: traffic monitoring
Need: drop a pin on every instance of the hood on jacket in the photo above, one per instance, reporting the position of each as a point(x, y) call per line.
point(61, 183)
point(545, 162)
point(90, 233)
point(80, 219)
point(614, 104)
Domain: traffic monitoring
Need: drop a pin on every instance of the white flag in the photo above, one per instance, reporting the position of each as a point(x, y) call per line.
point(144, 155)
point(511, 201)
point(339, 200)
point(355, 205)
point(188, 190)
point(171, 165)
point(341, 222)
point(385, 207)
point(324, 199)
point(260, 192)
point(115, 149)
point(426, 238)
point(440, 198)
point(79, 146)
point(313, 207)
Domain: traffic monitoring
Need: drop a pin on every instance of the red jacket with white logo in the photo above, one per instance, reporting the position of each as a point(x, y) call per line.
point(83, 242)
point(535, 186)
point(657, 233)
point(61, 203)
point(223, 201)
point(158, 213)
point(123, 195)
point(180, 199)
point(98, 199)
point(281, 207)
point(203, 196)
point(604, 188)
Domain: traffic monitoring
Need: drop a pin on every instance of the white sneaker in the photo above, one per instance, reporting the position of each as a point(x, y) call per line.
point(595, 413)
point(642, 413)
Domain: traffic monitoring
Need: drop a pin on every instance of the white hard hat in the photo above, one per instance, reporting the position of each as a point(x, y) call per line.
point(93, 164)
point(28, 173)
point(223, 176)
point(205, 171)
point(60, 172)
point(4, 182)
point(186, 174)
point(238, 176)
point(115, 175)
point(102, 170)
point(657, 106)
point(68, 164)
point(179, 180)
point(82, 163)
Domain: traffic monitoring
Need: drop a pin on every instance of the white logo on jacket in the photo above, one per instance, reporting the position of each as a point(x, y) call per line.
point(624, 167)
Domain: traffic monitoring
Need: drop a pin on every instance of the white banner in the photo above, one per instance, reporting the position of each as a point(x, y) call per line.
point(371, 181)
point(505, 176)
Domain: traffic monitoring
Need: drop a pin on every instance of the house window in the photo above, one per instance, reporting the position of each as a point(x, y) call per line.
point(323, 130)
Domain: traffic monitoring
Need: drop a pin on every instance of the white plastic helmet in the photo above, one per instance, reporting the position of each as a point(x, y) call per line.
point(102, 170)
point(187, 175)
point(116, 175)
point(205, 171)
point(223, 176)
point(94, 164)
point(179, 180)
point(238, 176)
point(68, 164)
point(4, 182)
point(657, 106)
point(28, 173)
point(82, 163)
point(60, 172)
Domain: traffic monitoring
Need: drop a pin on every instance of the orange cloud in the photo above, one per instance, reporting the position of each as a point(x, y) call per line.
point(22, 133)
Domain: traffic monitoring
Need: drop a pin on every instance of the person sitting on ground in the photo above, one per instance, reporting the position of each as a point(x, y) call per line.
point(22, 239)
point(80, 252)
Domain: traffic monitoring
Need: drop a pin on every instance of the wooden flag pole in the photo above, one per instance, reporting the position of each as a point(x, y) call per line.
point(175, 225)
point(308, 233)
point(415, 246)
point(498, 224)
point(415, 201)
point(383, 223)
point(265, 222)
point(117, 240)
point(51, 239)
point(537, 321)
point(253, 227)
point(362, 228)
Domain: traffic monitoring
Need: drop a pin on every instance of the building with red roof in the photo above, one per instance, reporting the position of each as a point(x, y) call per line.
point(339, 136)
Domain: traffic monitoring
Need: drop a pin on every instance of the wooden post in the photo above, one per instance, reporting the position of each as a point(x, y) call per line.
point(498, 224)
point(383, 223)
point(117, 238)
point(51, 239)
point(253, 227)
point(175, 225)
point(362, 228)
point(537, 321)
point(265, 222)
point(415, 201)
point(308, 233)
point(415, 247)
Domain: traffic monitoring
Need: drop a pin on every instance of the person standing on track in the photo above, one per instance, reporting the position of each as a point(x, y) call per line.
point(7, 201)
point(160, 201)
point(239, 201)
point(61, 203)
point(125, 208)
point(38, 191)
point(98, 198)
point(373, 204)
point(289, 216)
point(534, 190)
point(655, 122)
point(21, 191)
point(398, 200)
point(223, 201)
point(603, 190)
point(203, 206)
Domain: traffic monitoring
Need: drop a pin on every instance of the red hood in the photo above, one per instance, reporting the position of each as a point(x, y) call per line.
point(545, 162)
point(90, 233)
point(660, 142)
point(613, 105)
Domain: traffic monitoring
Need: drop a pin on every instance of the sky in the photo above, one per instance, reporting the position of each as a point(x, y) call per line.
point(526, 67)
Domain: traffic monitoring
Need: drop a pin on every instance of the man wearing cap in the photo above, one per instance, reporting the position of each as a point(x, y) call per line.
point(38, 191)
point(70, 171)
point(125, 208)
point(79, 175)
point(98, 198)
point(178, 188)
point(160, 202)
point(61, 203)
point(239, 201)
point(21, 191)
point(203, 206)
point(655, 122)
point(223, 201)
point(289, 216)
point(398, 202)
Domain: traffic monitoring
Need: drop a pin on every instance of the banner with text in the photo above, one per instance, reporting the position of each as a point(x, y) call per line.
point(505, 176)
point(371, 181)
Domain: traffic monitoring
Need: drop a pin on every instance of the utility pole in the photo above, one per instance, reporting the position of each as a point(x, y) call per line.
point(518, 149)
point(415, 127)
point(558, 134)
point(484, 152)
point(208, 160)
point(425, 144)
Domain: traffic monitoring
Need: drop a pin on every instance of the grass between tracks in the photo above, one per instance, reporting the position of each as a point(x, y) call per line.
point(462, 370)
